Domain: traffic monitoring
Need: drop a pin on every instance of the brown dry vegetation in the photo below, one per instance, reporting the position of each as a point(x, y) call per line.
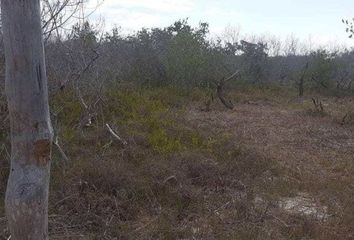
point(190, 174)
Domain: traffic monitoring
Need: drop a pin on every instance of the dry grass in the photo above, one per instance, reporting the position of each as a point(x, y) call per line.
point(188, 174)
point(315, 149)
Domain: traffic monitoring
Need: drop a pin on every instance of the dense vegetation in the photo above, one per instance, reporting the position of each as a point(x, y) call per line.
point(183, 56)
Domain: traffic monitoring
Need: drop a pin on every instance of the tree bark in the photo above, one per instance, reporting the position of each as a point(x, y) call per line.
point(26, 200)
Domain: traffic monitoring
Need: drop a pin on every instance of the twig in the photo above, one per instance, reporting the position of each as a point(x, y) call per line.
point(232, 76)
point(344, 119)
point(4, 148)
point(115, 135)
point(279, 220)
point(144, 226)
point(64, 199)
point(169, 179)
point(61, 151)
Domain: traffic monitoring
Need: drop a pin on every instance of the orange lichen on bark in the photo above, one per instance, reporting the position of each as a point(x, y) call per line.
point(42, 151)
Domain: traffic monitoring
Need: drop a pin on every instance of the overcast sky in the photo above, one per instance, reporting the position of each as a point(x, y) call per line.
point(320, 19)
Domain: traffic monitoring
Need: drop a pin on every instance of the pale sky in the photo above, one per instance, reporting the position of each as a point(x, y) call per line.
point(318, 19)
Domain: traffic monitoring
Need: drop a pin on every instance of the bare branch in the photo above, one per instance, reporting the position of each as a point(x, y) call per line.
point(232, 76)
point(318, 105)
point(61, 151)
point(115, 135)
point(56, 14)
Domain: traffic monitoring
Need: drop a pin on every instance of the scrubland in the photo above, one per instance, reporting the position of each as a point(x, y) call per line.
point(272, 168)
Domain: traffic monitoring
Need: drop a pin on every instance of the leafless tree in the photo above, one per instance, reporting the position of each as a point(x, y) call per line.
point(57, 15)
point(291, 46)
point(274, 45)
point(231, 34)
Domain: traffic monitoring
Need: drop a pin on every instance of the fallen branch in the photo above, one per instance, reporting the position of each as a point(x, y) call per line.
point(61, 151)
point(115, 135)
point(344, 119)
point(279, 220)
point(318, 105)
point(170, 178)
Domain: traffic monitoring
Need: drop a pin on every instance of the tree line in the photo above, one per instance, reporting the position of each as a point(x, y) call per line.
point(185, 56)
point(87, 58)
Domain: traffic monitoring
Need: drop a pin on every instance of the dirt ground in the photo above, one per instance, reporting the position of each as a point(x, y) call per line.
point(294, 137)
point(316, 149)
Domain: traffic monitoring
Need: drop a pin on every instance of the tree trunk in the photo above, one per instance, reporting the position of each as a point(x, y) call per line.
point(31, 131)
point(221, 95)
point(302, 80)
point(301, 87)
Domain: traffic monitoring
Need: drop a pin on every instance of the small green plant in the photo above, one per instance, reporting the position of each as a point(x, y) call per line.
point(164, 143)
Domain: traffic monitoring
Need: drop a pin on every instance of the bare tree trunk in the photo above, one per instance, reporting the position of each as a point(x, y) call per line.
point(301, 87)
point(302, 80)
point(221, 95)
point(31, 131)
point(220, 90)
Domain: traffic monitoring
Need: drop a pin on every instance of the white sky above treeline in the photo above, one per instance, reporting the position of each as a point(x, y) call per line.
point(318, 21)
